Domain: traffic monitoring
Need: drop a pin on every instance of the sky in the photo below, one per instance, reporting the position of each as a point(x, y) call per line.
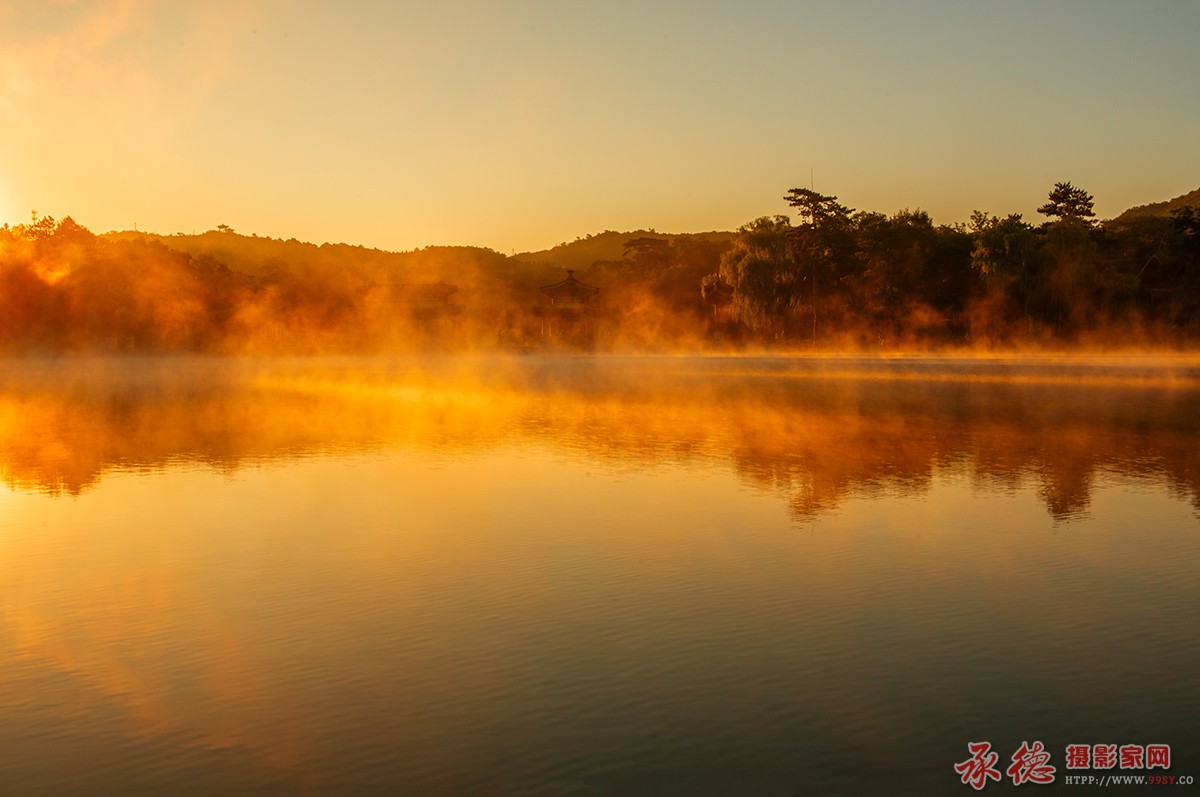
point(518, 125)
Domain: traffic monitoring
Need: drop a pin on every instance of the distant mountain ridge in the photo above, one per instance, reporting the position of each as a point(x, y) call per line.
point(609, 246)
point(255, 255)
point(258, 255)
point(1161, 209)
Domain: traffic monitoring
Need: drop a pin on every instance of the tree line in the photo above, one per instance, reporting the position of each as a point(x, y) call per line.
point(825, 276)
point(63, 288)
point(837, 276)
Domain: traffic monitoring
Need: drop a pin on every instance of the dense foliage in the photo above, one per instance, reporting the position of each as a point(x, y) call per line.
point(831, 277)
point(839, 277)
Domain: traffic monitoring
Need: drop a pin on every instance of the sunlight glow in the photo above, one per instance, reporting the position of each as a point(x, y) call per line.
point(223, 98)
point(7, 215)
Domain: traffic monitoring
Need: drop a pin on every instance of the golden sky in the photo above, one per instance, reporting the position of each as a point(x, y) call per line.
point(518, 125)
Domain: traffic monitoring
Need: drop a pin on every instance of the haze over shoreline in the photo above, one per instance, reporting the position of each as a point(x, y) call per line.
point(822, 277)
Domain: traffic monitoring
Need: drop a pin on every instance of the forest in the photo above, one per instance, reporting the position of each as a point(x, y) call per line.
point(822, 277)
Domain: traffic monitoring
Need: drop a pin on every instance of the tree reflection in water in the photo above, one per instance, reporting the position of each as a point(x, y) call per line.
point(817, 431)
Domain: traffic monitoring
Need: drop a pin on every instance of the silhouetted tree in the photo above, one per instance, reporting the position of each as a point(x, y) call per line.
point(1068, 202)
point(823, 242)
point(763, 273)
point(895, 254)
point(816, 210)
point(1186, 221)
point(1003, 247)
point(38, 229)
point(1185, 302)
point(652, 254)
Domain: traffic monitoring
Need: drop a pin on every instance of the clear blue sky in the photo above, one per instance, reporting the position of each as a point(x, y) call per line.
point(521, 124)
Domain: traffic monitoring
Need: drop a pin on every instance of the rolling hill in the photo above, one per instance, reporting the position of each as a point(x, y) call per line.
point(1161, 209)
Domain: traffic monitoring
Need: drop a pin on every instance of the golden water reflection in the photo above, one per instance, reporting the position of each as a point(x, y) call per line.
point(815, 437)
point(573, 574)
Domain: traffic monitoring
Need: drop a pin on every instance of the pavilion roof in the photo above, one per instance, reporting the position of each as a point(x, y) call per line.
point(570, 288)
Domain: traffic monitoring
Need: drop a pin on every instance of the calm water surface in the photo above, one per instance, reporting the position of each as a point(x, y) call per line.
point(556, 575)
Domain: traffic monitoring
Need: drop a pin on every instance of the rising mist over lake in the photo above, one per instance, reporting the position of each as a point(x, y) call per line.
point(581, 398)
point(552, 573)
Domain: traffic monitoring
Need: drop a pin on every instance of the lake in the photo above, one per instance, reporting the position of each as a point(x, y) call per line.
point(591, 575)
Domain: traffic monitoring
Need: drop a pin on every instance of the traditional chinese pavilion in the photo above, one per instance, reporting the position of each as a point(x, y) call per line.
point(570, 316)
point(719, 294)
